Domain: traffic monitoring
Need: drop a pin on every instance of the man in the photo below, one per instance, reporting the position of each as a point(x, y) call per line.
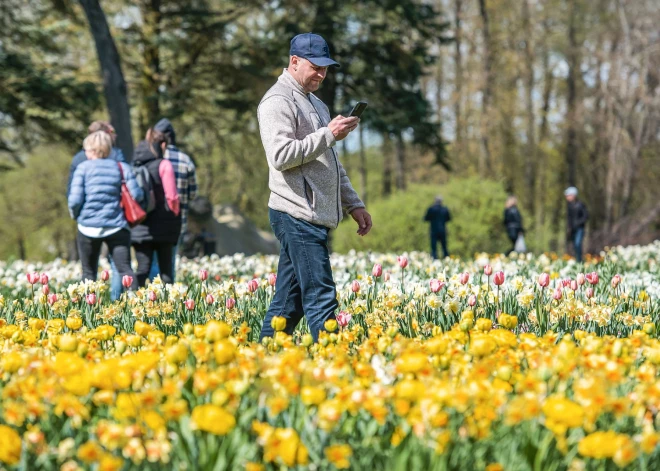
point(309, 187)
point(438, 215)
point(577, 218)
point(117, 155)
point(186, 185)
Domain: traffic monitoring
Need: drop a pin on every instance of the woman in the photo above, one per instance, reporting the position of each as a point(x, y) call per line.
point(94, 202)
point(513, 221)
point(159, 232)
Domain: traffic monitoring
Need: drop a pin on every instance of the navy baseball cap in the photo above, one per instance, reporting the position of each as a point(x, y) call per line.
point(312, 47)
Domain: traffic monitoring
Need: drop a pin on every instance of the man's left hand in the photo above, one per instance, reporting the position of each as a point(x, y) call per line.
point(363, 218)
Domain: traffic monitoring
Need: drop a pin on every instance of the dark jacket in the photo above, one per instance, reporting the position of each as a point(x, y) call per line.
point(577, 215)
point(161, 224)
point(115, 154)
point(95, 193)
point(438, 215)
point(513, 222)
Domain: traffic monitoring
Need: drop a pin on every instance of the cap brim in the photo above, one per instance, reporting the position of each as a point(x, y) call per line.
point(323, 62)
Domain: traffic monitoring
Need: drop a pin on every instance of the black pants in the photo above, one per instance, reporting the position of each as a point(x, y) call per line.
point(442, 238)
point(144, 253)
point(119, 246)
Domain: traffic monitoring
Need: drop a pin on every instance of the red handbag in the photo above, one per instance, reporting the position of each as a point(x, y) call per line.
point(132, 209)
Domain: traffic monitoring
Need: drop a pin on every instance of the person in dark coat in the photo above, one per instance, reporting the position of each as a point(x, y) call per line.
point(512, 221)
point(160, 231)
point(438, 216)
point(577, 217)
point(94, 201)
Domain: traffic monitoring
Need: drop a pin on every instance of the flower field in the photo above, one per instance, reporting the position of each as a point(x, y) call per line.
point(530, 363)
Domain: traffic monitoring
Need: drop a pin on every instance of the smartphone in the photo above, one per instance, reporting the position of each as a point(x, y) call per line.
point(358, 109)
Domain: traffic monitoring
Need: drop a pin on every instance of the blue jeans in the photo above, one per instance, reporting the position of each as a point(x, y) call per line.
point(435, 238)
point(578, 236)
point(304, 277)
point(155, 269)
point(115, 281)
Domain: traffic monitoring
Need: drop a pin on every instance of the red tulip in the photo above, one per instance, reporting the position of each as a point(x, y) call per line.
point(253, 285)
point(33, 277)
point(203, 275)
point(566, 282)
point(403, 261)
point(488, 270)
point(272, 279)
point(105, 275)
point(127, 281)
point(498, 279)
point(377, 270)
point(355, 286)
point(44, 279)
point(230, 303)
point(592, 278)
point(190, 304)
point(343, 318)
point(464, 278)
point(544, 280)
point(436, 285)
point(91, 298)
point(52, 299)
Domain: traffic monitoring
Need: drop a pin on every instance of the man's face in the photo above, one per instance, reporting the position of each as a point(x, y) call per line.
point(570, 198)
point(307, 74)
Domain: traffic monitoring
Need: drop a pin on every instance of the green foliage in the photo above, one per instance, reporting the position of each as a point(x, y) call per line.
point(476, 207)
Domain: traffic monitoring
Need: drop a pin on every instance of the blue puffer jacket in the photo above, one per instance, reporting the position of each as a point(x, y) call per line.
point(94, 199)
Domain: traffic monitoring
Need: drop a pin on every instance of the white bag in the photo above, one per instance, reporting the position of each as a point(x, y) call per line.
point(520, 246)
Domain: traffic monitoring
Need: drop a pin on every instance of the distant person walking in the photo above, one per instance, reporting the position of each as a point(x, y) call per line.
point(577, 217)
point(186, 185)
point(94, 202)
point(513, 224)
point(159, 232)
point(117, 155)
point(438, 216)
point(309, 188)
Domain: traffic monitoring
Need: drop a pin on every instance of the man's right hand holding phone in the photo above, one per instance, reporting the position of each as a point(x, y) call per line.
point(341, 126)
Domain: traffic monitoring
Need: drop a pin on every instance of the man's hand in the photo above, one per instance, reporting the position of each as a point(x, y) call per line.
point(341, 126)
point(363, 218)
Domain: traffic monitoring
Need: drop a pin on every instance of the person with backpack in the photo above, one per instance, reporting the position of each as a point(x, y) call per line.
point(186, 185)
point(159, 232)
point(94, 202)
point(118, 156)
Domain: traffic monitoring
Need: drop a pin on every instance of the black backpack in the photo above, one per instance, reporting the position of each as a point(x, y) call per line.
point(145, 182)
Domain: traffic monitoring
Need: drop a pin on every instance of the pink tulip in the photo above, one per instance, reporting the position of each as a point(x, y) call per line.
point(355, 286)
point(464, 278)
point(498, 278)
point(151, 296)
point(343, 318)
point(386, 277)
point(590, 293)
point(574, 285)
point(557, 294)
point(44, 279)
point(592, 278)
point(403, 261)
point(436, 285)
point(33, 277)
point(472, 300)
point(52, 299)
point(253, 285)
point(377, 270)
point(91, 299)
point(230, 303)
point(488, 270)
point(272, 279)
point(127, 281)
point(616, 279)
point(203, 274)
point(566, 282)
point(544, 280)
point(580, 279)
point(45, 289)
point(190, 304)
point(105, 275)
point(210, 299)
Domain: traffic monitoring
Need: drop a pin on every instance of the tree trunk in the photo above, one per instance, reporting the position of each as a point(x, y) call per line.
point(485, 161)
point(363, 167)
point(150, 76)
point(114, 85)
point(458, 75)
point(530, 154)
point(387, 165)
point(573, 60)
point(400, 163)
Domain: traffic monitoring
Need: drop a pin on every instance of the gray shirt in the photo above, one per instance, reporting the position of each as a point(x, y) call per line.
point(306, 178)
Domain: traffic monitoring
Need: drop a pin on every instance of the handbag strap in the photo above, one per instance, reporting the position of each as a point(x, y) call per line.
point(121, 172)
